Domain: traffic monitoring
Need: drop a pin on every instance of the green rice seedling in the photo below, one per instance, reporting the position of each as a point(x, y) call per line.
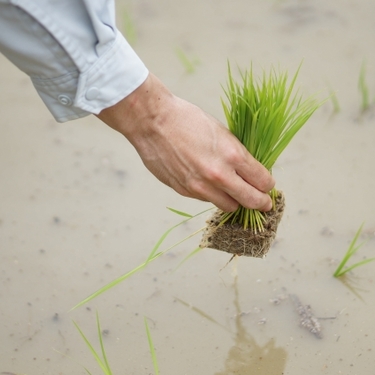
point(265, 117)
point(353, 248)
point(154, 254)
point(363, 88)
point(116, 281)
point(152, 348)
point(190, 65)
point(101, 360)
point(264, 114)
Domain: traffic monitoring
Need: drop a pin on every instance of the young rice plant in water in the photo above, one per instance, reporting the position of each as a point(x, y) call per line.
point(101, 357)
point(264, 114)
point(352, 249)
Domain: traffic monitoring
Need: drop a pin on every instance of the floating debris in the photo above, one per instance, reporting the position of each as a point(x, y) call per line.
point(307, 320)
point(262, 321)
point(327, 232)
point(279, 298)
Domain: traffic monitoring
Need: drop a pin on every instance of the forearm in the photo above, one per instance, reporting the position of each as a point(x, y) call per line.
point(141, 114)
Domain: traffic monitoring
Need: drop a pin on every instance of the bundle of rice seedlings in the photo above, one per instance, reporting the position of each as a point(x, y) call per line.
point(264, 114)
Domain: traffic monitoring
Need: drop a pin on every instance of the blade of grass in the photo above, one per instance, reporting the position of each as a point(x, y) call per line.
point(152, 348)
point(115, 282)
point(188, 64)
point(362, 262)
point(363, 88)
point(104, 355)
point(179, 212)
point(165, 234)
point(352, 249)
point(103, 365)
point(153, 255)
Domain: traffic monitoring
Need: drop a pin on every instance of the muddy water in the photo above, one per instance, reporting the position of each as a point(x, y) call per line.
point(77, 209)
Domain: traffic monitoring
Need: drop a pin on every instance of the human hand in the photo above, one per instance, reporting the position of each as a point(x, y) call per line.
point(189, 150)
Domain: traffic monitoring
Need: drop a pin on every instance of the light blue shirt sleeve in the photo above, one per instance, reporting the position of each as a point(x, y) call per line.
point(76, 58)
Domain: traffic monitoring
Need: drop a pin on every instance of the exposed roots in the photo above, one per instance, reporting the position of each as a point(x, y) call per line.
point(234, 239)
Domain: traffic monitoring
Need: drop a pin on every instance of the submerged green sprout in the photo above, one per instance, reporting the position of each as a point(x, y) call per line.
point(152, 348)
point(101, 360)
point(353, 248)
point(188, 63)
point(264, 114)
point(363, 88)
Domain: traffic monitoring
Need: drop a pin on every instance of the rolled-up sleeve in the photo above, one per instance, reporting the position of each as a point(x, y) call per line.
point(76, 58)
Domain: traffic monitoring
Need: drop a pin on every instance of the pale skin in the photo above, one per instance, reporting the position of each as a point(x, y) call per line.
point(189, 150)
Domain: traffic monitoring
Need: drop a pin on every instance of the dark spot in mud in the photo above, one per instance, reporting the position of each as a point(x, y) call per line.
point(105, 332)
point(56, 220)
point(120, 173)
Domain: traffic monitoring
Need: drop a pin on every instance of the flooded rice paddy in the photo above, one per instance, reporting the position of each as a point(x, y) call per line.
point(78, 209)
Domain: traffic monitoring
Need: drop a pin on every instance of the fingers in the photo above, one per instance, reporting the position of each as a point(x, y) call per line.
point(250, 169)
point(226, 190)
point(217, 197)
point(256, 175)
point(248, 196)
point(229, 202)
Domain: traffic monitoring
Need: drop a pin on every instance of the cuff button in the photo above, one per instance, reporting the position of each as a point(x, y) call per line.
point(92, 93)
point(64, 100)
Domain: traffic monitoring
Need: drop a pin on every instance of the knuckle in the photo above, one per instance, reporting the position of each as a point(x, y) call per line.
point(195, 187)
point(215, 174)
point(266, 183)
point(234, 157)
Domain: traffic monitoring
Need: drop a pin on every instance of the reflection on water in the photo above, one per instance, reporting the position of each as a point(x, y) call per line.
point(352, 284)
point(246, 357)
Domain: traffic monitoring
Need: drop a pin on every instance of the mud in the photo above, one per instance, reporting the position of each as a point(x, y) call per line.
point(237, 240)
point(78, 209)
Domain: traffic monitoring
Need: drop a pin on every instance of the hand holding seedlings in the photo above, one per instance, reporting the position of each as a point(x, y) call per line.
point(189, 150)
point(180, 144)
point(264, 115)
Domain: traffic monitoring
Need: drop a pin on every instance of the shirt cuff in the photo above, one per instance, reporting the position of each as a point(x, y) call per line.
point(115, 74)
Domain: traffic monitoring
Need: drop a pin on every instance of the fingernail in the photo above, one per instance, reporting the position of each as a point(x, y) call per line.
point(268, 206)
point(273, 182)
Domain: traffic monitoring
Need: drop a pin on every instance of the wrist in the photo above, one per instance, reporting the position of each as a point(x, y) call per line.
point(139, 114)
